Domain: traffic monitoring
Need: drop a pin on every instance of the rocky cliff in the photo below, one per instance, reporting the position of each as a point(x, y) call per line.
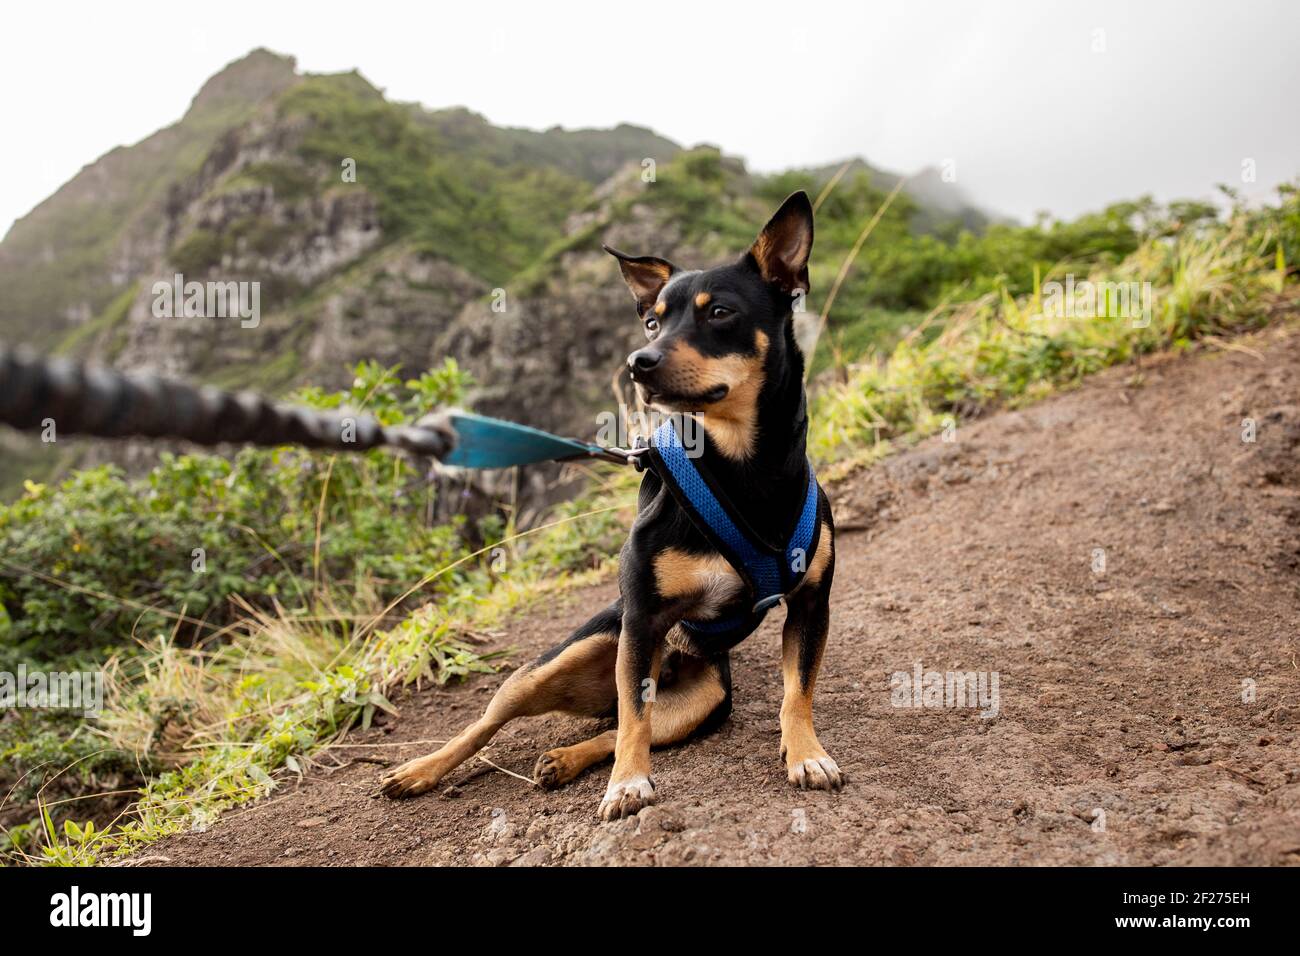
point(369, 229)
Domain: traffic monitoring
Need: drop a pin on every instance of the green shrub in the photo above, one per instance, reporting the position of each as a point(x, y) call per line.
point(199, 252)
point(86, 562)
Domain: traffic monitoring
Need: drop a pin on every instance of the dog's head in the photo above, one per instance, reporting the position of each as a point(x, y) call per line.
point(715, 335)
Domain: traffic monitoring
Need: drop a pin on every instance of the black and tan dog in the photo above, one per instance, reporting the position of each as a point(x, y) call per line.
point(722, 349)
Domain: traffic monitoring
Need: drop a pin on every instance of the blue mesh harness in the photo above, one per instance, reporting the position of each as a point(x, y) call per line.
point(770, 572)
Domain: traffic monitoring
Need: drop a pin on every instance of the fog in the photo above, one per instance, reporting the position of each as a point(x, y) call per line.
point(1060, 107)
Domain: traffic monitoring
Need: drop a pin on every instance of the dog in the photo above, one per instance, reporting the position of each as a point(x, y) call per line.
point(721, 352)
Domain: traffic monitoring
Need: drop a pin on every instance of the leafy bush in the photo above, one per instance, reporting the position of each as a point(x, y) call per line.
point(201, 251)
point(86, 563)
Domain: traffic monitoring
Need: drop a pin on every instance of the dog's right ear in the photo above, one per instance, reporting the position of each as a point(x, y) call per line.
point(646, 276)
point(782, 249)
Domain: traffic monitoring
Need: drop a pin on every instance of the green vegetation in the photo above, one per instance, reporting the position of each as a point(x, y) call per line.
point(489, 218)
point(119, 547)
point(902, 272)
point(592, 155)
point(289, 182)
point(1207, 278)
point(106, 333)
point(244, 614)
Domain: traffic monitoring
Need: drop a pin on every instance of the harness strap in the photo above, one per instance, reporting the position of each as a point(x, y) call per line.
point(770, 573)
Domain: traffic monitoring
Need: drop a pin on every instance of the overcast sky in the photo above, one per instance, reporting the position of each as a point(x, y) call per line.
point(1037, 105)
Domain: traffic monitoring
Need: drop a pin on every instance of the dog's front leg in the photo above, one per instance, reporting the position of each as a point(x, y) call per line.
point(803, 640)
point(636, 672)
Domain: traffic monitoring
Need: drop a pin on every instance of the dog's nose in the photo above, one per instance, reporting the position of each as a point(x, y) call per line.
point(644, 360)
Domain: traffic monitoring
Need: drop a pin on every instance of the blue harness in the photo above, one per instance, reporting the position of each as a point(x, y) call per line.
point(772, 573)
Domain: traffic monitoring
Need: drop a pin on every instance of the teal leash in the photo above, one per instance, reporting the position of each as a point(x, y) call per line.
point(88, 399)
point(484, 442)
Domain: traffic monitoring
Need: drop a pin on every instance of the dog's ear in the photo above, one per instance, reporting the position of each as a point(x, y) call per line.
point(645, 276)
point(782, 249)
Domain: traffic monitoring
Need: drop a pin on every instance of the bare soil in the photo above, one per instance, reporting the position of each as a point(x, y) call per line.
point(1126, 731)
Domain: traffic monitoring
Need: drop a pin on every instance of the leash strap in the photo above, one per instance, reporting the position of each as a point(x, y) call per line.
point(84, 399)
point(89, 399)
point(485, 442)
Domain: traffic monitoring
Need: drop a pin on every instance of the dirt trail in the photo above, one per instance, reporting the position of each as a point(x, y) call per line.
point(1120, 691)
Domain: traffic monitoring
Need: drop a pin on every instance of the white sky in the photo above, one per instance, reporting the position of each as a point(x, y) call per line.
point(1011, 92)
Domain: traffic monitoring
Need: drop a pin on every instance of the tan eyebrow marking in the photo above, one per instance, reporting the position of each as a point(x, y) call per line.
point(702, 300)
point(661, 308)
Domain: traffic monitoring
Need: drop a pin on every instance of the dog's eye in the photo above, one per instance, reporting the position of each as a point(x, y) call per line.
point(651, 327)
point(720, 312)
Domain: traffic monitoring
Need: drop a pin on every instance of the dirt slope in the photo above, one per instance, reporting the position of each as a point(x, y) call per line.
point(1119, 690)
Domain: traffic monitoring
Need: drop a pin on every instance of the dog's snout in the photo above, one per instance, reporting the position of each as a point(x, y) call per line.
point(645, 360)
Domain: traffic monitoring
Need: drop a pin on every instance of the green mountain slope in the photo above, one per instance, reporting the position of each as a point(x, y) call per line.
point(386, 231)
point(65, 261)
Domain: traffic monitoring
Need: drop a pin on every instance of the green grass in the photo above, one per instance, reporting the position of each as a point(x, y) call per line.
point(289, 182)
point(999, 349)
point(872, 329)
point(104, 335)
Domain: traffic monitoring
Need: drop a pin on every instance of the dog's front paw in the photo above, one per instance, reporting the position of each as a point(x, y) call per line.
point(818, 772)
point(624, 798)
point(555, 768)
point(412, 778)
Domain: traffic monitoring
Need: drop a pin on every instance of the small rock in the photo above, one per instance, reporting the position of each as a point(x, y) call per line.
point(537, 856)
point(656, 818)
point(890, 605)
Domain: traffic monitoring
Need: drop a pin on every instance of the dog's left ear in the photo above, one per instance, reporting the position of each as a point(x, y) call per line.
point(645, 276)
point(782, 249)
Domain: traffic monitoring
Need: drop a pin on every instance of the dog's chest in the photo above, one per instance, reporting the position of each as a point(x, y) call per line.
point(705, 583)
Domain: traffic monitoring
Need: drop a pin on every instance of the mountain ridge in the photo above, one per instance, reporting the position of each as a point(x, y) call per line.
point(452, 237)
